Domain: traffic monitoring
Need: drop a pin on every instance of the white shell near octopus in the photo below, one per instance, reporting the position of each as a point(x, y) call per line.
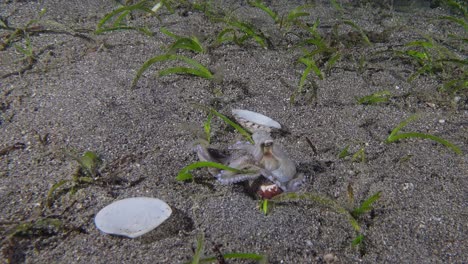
point(248, 118)
point(132, 217)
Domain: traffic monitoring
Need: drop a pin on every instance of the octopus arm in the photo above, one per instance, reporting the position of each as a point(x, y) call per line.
point(296, 183)
point(235, 178)
point(203, 154)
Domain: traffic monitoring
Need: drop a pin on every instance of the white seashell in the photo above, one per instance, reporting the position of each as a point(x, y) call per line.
point(255, 120)
point(132, 217)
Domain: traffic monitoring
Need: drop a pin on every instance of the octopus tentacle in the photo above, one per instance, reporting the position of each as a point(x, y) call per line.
point(296, 183)
point(235, 178)
point(242, 145)
point(264, 158)
point(202, 153)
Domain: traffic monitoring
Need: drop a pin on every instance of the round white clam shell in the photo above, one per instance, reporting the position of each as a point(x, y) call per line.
point(132, 217)
point(255, 118)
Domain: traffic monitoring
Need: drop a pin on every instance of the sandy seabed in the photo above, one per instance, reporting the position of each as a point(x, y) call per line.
point(74, 94)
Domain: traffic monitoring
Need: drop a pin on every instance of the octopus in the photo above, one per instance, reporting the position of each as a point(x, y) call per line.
point(265, 158)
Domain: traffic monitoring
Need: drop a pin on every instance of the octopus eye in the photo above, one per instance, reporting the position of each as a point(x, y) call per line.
point(268, 144)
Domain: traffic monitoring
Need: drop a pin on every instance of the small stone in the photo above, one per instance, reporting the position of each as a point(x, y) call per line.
point(330, 258)
point(408, 186)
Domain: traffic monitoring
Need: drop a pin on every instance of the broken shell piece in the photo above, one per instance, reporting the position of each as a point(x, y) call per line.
point(254, 121)
point(268, 191)
point(132, 217)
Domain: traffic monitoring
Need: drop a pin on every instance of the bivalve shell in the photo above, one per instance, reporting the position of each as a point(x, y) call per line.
point(132, 217)
point(254, 121)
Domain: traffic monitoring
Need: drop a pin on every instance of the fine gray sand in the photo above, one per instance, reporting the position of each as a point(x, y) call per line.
point(75, 95)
